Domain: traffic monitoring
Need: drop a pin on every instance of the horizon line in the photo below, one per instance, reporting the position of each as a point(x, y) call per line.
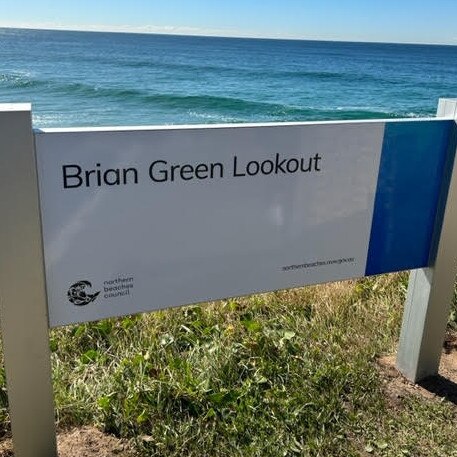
point(173, 31)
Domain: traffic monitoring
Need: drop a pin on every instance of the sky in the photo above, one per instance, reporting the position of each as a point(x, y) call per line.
point(403, 21)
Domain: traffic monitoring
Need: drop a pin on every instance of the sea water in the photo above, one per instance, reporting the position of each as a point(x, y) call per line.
point(103, 79)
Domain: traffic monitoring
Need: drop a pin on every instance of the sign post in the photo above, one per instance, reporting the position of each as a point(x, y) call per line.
point(24, 321)
point(430, 289)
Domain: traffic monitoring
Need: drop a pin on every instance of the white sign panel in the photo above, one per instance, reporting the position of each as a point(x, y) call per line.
point(138, 220)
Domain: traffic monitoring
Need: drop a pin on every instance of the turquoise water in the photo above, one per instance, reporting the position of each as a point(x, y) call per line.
point(88, 79)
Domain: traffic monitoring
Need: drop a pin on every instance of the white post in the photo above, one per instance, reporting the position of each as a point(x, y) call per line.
point(23, 307)
point(430, 290)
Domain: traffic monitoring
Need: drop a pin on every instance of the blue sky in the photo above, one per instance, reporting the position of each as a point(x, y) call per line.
point(360, 20)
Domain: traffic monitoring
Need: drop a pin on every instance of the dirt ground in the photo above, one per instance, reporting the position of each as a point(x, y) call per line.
point(82, 442)
point(442, 386)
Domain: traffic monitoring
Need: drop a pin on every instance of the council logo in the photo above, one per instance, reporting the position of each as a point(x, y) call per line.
point(77, 293)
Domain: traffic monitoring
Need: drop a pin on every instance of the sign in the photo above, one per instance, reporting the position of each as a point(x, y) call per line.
point(141, 219)
point(106, 222)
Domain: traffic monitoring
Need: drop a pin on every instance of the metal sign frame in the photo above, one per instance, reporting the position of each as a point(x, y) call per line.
point(23, 299)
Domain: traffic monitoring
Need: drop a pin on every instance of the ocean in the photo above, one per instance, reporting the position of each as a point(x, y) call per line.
point(103, 79)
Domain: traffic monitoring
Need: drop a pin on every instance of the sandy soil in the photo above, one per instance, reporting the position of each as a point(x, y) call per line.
point(82, 442)
point(443, 386)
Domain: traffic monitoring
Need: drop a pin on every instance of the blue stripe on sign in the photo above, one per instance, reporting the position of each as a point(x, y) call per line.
point(410, 180)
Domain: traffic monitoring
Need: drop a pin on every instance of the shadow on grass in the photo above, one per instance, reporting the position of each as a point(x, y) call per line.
point(441, 386)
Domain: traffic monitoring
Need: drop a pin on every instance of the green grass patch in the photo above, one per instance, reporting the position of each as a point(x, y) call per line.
point(290, 373)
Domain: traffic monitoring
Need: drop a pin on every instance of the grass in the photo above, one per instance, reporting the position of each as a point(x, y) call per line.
point(290, 373)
